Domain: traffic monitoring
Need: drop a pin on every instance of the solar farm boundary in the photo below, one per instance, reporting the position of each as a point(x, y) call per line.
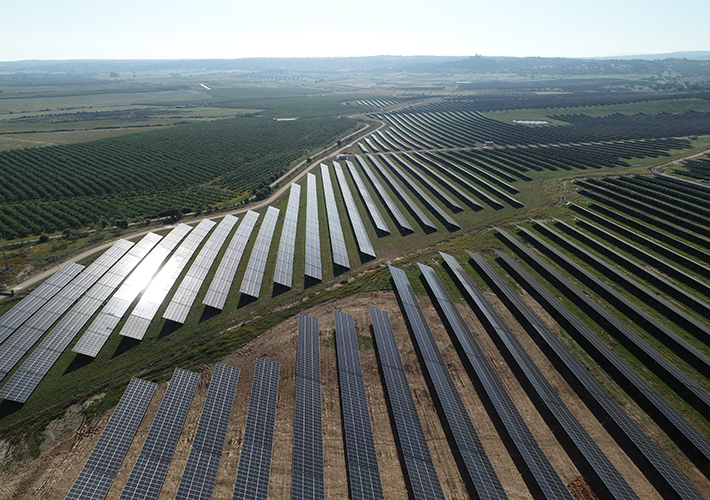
point(655, 465)
point(535, 467)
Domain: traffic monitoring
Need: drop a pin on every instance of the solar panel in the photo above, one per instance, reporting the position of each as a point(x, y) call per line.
point(22, 341)
point(425, 197)
point(337, 240)
point(13, 319)
point(254, 469)
point(520, 435)
point(697, 447)
point(200, 474)
point(367, 198)
point(284, 260)
point(222, 282)
point(307, 469)
point(642, 450)
point(421, 474)
point(38, 364)
point(394, 211)
point(313, 263)
point(98, 332)
point(403, 194)
point(254, 274)
point(428, 183)
point(186, 293)
point(443, 180)
point(148, 473)
point(363, 470)
point(101, 468)
point(477, 469)
point(137, 323)
point(363, 240)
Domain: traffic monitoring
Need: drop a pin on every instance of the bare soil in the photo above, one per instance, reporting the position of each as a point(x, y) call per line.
point(70, 441)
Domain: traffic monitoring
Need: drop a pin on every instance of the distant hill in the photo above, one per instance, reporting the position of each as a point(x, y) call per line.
point(694, 55)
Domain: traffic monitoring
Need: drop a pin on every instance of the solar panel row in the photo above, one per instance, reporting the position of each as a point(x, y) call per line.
point(363, 470)
point(22, 341)
point(287, 247)
point(148, 473)
point(254, 274)
point(337, 240)
point(254, 469)
point(443, 215)
point(37, 365)
point(200, 474)
point(428, 183)
point(313, 263)
point(367, 198)
point(184, 297)
point(687, 437)
point(606, 475)
point(307, 470)
point(394, 211)
point(477, 468)
point(101, 468)
point(363, 240)
point(11, 320)
point(443, 180)
point(222, 282)
point(138, 322)
point(98, 332)
point(657, 467)
point(421, 474)
point(413, 207)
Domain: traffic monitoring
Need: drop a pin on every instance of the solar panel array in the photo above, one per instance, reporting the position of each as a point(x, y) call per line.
point(609, 478)
point(686, 436)
point(100, 470)
point(200, 474)
point(99, 331)
point(313, 263)
point(148, 473)
point(254, 469)
point(363, 470)
point(443, 180)
point(403, 195)
point(25, 337)
point(222, 282)
point(184, 297)
point(138, 322)
point(643, 451)
point(367, 198)
point(478, 468)
point(254, 274)
point(363, 240)
point(421, 474)
point(11, 320)
point(396, 214)
point(284, 260)
point(337, 240)
point(425, 180)
point(307, 470)
point(37, 365)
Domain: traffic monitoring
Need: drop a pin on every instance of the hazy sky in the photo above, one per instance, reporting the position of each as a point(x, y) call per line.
point(176, 29)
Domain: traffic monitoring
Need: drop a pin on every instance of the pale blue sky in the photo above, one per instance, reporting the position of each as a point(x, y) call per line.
point(177, 29)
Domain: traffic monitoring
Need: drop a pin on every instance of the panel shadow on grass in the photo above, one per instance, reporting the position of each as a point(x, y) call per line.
point(245, 300)
point(126, 344)
point(79, 361)
point(168, 328)
point(209, 312)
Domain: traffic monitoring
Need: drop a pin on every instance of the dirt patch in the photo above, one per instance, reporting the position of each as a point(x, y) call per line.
point(71, 443)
